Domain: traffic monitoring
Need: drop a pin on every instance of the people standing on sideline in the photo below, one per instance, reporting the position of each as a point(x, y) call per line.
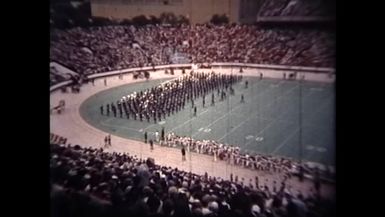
point(105, 81)
point(151, 145)
point(261, 76)
point(183, 153)
point(215, 155)
point(162, 134)
point(257, 182)
point(317, 182)
point(109, 140)
point(93, 81)
point(157, 136)
point(246, 84)
point(284, 76)
point(212, 99)
point(301, 173)
point(145, 137)
point(106, 141)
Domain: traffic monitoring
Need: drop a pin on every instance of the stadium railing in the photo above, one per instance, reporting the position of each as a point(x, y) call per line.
point(317, 70)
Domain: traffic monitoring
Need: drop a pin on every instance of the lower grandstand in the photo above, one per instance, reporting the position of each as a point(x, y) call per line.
point(91, 182)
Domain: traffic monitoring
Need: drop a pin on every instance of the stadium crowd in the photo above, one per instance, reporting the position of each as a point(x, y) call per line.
point(100, 49)
point(89, 182)
point(171, 96)
point(297, 8)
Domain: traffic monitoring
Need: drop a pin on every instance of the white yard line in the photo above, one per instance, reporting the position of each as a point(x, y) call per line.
point(284, 142)
point(234, 108)
point(117, 126)
point(278, 118)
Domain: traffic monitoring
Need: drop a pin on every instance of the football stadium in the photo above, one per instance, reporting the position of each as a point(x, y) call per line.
point(192, 108)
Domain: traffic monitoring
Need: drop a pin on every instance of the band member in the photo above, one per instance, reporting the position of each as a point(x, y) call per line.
point(242, 99)
point(113, 108)
point(101, 109)
point(317, 182)
point(203, 101)
point(162, 134)
point(195, 111)
point(157, 136)
point(215, 155)
point(145, 137)
point(105, 141)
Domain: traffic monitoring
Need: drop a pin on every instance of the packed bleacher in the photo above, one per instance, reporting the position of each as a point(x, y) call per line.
point(90, 182)
point(101, 49)
point(297, 8)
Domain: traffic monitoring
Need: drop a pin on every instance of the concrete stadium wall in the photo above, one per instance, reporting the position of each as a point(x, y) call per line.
point(122, 10)
point(271, 71)
point(198, 11)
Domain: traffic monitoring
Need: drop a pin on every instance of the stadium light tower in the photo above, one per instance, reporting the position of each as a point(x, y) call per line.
point(228, 126)
point(190, 143)
point(141, 147)
point(301, 77)
point(190, 163)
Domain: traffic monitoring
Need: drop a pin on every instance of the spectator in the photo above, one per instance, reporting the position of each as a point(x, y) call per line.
point(100, 49)
point(90, 182)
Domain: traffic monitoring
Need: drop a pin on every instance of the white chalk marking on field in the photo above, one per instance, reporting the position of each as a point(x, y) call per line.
point(249, 137)
point(316, 89)
point(117, 126)
point(309, 147)
point(259, 139)
point(149, 126)
point(235, 108)
point(321, 149)
point(284, 142)
point(207, 130)
point(233, 129)
point(187, 121)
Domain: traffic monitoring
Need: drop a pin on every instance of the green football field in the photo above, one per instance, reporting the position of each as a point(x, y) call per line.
point(268, 122)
